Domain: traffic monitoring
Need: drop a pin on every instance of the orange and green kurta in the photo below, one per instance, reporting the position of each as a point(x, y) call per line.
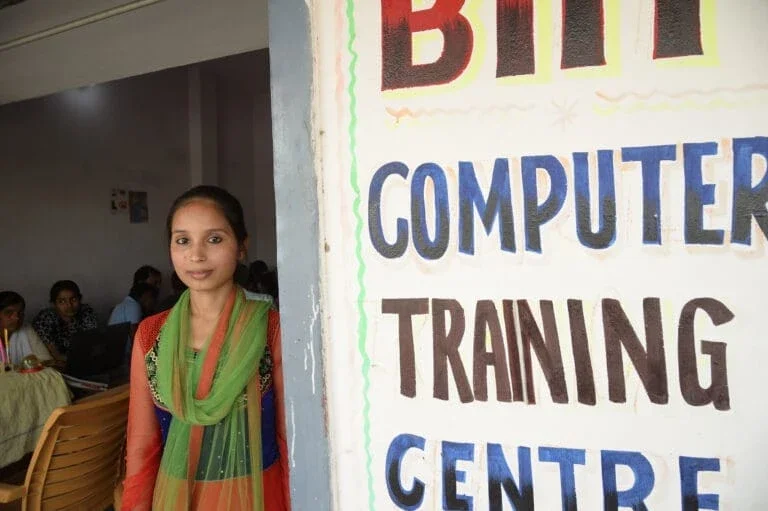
point(222, 465)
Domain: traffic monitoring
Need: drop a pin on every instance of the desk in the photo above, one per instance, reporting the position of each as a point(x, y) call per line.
point(113, 378)
point(26, 402)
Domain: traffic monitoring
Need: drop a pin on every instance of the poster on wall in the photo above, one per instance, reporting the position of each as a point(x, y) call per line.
point(546, 232)
point(138, 206)
point(118, 202)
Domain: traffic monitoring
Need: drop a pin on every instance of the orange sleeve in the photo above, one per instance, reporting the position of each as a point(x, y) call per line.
point(143, 447)
point(275, 346)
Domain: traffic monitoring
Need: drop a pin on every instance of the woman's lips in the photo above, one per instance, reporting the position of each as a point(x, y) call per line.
point(200, 274)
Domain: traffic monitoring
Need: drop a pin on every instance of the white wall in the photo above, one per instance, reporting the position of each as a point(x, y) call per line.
point(244, 133)
point(111, 44)
point(439, 387)
point(264, 199)
point(62, 155)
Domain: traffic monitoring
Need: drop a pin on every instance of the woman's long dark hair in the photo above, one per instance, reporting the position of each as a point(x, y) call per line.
point(65, 285)
point(226, 202)
point(8, 298)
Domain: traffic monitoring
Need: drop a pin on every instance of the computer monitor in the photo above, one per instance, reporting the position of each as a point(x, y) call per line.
point(95, 352)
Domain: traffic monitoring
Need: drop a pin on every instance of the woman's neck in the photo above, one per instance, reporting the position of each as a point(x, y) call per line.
point(65, 319)
point(209, 304)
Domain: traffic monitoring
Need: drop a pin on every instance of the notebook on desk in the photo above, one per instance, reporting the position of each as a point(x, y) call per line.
point(95, 355)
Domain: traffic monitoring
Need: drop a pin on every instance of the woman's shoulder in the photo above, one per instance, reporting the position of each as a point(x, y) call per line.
point(155, 320)
point(273, 315)
point(86, 310)
point(47, 311)
point(149, 329)
point(26, 331)
point(274, 318)
point(258, 297)
point(45, 316)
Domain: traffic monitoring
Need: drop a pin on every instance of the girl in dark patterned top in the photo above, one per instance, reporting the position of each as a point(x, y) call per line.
point(67, 316)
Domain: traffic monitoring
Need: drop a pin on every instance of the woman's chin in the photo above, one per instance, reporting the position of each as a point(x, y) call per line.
point(207, 285)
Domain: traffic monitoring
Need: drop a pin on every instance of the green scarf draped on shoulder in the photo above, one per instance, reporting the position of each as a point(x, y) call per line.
point(214, 396)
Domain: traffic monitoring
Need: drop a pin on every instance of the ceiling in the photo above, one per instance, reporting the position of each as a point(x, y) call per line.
point(47, 46)
point(8, 3)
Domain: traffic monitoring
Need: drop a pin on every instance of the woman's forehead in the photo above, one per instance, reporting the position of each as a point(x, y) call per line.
point(200, 216)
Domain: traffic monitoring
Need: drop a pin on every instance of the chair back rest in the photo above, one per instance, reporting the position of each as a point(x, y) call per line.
point(75, 464)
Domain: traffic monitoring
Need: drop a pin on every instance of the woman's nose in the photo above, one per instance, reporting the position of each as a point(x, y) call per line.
point(197, 253)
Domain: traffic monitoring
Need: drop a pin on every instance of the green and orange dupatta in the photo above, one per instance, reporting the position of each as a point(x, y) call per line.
point(212, 389)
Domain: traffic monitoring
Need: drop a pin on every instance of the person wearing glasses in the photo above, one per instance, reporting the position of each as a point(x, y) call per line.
point(67, 316)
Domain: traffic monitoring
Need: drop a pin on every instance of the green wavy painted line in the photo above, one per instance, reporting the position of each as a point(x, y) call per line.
point(362, 323)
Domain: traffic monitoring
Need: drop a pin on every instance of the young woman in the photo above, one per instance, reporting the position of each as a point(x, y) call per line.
point(205, 425)
point(23, 339)
point(67, 316)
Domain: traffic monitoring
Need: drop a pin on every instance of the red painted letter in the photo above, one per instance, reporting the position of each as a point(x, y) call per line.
point(514, 38)
point(677, 30)
point(583, 39)
point(399, 22)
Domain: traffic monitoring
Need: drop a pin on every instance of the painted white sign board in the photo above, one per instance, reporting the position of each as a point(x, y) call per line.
point(545, 237)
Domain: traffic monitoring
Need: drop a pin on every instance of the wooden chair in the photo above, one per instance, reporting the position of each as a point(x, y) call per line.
point(75, 464)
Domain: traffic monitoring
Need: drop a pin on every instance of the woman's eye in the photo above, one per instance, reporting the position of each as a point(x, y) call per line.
point(214, 239)
point(181, 241)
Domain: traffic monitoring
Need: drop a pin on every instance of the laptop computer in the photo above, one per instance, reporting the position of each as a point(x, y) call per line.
point(93, 354)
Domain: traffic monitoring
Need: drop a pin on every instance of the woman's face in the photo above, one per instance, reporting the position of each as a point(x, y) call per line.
point(12, 317)
point(67, 304)
point(204, 250)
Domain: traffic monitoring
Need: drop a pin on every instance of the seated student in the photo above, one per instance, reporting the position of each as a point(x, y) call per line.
point(256, 271)
point(149, 275)
point(258, 274)
point(177, 287)
point(23, 339)
point(67, 316)
point(269, 284)
point(139, 303)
